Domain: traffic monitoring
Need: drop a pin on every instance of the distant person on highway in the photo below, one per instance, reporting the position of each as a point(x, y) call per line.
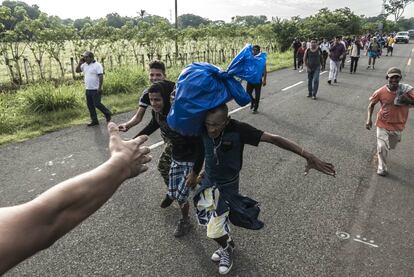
point(295, 46)
point(30, 227)
point(345, 44)
point(313, 60)
point(93, 73)
point(300, 54)
point(156, 73)
point(373, 52)
point(390, 44)
point(395, 100)
point(256, 87)
point(336, 54)
point(355, 53)
point(218, 200)
point(325, 46)
point(187, 154)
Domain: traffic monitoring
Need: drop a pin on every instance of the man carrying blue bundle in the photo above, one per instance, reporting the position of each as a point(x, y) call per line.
point(218, 200)
point(199, 108)
point(257, 87)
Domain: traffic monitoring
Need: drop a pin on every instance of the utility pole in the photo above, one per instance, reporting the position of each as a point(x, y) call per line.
point(176, 28)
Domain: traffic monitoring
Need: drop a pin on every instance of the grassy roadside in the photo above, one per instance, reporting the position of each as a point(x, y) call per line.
point(43, 108)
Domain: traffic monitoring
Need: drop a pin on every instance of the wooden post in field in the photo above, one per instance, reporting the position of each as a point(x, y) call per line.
point(72, 67)
point(204, 56)
point(111, 62)
point(26, 70)
point(143, 61)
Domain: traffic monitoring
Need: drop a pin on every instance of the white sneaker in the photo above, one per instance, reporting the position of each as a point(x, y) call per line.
point(217, 255)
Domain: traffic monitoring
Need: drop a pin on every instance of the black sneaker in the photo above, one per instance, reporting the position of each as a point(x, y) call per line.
point(226, 260)
point(93, 123)
point(183, 227)
point(329, 82)
point(219, 252)
point(166, 202)
point(335, 81)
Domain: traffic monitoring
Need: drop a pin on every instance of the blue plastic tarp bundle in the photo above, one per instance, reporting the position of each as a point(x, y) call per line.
point(203, 86)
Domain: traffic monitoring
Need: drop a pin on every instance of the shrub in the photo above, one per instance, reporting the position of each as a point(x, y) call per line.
point(124, 80)
point(46, 98)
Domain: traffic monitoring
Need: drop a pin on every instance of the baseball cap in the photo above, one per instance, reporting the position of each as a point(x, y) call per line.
point(393, 71)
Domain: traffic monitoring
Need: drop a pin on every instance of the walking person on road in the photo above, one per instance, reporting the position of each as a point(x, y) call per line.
point(336, 54)
point(156, 73)
point(395, 100)
point(295, 46)
point(186, 154)
point(355, 53)
point(300, 54)
point(256, 87)
point(373, 52)
point(93, 74)
point(325, 46)
point(218, 200)
point(313, 60)
point(345, 44)
point(390, 44)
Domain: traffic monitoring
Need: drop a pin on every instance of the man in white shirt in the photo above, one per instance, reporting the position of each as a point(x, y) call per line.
point(93, 73)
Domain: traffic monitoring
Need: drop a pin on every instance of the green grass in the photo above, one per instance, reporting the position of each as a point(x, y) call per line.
point(43, 108)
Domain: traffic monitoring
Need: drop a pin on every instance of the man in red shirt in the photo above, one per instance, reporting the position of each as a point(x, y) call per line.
point(395, 100)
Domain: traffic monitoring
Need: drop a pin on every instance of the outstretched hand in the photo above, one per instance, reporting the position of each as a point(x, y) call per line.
point(130, 154)
point(316, 163)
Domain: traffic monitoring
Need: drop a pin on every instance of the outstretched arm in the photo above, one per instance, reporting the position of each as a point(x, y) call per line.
point(313, 162)
point(28, 228)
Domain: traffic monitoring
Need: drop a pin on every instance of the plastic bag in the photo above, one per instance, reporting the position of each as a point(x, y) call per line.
point(203, 86)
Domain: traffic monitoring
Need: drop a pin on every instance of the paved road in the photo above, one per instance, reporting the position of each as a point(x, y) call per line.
point(131, 235)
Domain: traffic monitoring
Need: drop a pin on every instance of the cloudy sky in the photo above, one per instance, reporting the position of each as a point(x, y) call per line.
point(212, 9)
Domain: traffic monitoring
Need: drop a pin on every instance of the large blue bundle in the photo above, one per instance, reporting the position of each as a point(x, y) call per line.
point(203, 86)
point(248, 67)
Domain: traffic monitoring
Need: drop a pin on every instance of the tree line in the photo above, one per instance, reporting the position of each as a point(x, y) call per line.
point(26, 29)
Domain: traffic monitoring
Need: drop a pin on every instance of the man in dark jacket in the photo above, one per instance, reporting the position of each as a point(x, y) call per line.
point(218, 200)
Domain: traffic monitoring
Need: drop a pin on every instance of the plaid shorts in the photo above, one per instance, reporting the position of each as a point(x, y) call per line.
point(176, 187)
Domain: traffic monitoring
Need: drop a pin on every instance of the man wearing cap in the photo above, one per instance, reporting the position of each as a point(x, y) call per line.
point(93, 72)
point(395, 100)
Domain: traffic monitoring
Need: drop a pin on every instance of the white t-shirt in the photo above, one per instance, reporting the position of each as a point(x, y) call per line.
point(91, 72)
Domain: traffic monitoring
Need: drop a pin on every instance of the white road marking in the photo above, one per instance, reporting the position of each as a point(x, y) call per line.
point(323, 72)
point(294, 85)
point(239, 109)
point(348, 61)
point(367, 243)
point(409, 62)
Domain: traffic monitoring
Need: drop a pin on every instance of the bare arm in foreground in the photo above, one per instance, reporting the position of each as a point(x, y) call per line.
point(33, 226)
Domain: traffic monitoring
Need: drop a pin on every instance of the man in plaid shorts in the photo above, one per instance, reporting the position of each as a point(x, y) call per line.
point(186, 153)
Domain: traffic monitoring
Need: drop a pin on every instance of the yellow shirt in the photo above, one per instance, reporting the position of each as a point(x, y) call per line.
point(391, 41)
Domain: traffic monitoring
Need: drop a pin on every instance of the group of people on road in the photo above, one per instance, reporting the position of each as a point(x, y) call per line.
point(395, 98)
point(208, 163)
point(313, 55)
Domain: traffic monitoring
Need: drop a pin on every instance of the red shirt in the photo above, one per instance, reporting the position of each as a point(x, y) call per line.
point(390, 116)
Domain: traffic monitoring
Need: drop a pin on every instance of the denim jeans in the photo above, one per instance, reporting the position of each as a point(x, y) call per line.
point(313, 81)
point(93, 100)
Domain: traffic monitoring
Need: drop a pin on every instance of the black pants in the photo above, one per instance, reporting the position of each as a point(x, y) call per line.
point(294, 57)
point(324, 58)
point(343, 62)
point(390, 49)
point(255, 100)
point(354, 63)
point(93, 100)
